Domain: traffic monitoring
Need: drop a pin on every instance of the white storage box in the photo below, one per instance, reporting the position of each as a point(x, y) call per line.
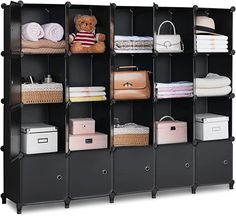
point(38, 138)
point(211, 126)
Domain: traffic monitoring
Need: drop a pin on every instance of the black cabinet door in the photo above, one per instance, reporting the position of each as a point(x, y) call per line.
point(214, 162)
point(89, 173)
point(133, 169)
point(174, 165)
point(43, 178)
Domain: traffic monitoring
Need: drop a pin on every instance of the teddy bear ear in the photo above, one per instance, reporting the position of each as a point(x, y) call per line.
point(78, 16)
point(94, 19)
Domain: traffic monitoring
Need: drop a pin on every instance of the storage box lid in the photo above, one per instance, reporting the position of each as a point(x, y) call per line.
point(210, 117)
point(82, 120)
point(37, 128)
point(167, 124)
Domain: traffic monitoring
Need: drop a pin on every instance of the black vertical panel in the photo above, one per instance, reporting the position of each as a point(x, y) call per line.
point(15, 27)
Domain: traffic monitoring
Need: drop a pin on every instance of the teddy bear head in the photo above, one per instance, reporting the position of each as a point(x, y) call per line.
point(85, 23)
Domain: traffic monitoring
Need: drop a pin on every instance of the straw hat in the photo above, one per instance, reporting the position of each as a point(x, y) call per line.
point(205, 25)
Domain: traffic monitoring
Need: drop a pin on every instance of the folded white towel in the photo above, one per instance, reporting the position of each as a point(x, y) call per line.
point(212, 80)
point(213, 91)
point(136, 38)
point(87, 89)
point(212, 42)
point(174, 92)
point(212, 46)
point(31, 31)
point(173, 84)
point(212, 37)
point(53, 31)
point(133, 51)
point(208, 50)
point(86, 94)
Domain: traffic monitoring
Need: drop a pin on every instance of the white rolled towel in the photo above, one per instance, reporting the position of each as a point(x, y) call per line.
point(53, 31)
point(31, 31)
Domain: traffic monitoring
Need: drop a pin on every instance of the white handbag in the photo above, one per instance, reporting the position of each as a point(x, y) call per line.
point(167, 43)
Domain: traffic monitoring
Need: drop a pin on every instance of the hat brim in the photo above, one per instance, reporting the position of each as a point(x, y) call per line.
point(205, 32)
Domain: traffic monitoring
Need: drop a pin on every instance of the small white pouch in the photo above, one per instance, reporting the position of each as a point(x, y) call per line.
point(168, 43)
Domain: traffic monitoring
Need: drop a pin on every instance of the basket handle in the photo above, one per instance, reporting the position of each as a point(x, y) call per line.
point(166, 21)
point(127, 67)
point(165, 117)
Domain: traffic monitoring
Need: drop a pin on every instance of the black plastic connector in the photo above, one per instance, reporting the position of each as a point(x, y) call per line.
point(232, 9)
point(155, 53)
point(21, 3)
point(3, 148)
point(231, 95)
point(19, 207)
point(194, 188)
point(67, 202)
point(3, 53)
point(195, 97)
point(232, 52)
point(155, 145)
point(112, 197)
point(113, 5)
point(195, 53)
point(68, 4)
point(21, 54)
point(195, 7)
point(3, 5)
point(156, 6)
point(195, 142)
point(4, 198)
point(232, 138)
point(113, 53)
point(231, 184)
point(67, 154)
point(3, 101)
point(154, 192)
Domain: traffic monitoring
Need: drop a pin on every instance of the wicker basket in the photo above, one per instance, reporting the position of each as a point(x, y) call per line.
point(42, 93)
point(131, 135)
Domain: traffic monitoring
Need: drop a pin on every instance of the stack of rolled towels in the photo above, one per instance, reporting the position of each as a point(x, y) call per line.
point(180, 89)
point(86, 94)
point(212, 85)
point(212, 43)
point(133, 44)
point(42, 39)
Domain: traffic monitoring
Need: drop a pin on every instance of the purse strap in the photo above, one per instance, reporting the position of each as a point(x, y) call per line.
point(166, 21)
point(165, 117)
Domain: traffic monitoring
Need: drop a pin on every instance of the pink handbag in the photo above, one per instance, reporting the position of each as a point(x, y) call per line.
point(170, 131)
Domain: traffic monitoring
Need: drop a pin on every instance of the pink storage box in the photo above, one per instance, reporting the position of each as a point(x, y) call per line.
point(171, 131)
point(87, 141)
point(82, 126)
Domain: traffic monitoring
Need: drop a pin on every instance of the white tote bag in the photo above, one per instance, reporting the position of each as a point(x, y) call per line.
point(168, 43)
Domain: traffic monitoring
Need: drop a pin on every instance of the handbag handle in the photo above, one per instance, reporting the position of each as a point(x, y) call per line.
point(165, 117)
point(166, 21)
point(127, 67)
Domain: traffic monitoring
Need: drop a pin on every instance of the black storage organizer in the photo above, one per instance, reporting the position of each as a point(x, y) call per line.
point(65, 176)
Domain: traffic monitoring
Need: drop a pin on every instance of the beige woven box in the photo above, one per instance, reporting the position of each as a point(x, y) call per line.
point(131, 134)
point(41, 93)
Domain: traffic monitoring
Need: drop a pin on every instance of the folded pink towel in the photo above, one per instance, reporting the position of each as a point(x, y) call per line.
point(178, 88)
point(175, 96)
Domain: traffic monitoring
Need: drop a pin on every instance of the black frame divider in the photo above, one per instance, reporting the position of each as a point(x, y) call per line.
point(70, 175)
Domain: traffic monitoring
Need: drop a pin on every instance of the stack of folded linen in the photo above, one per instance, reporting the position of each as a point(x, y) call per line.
point(133, 44)
point(84, 94)
point(212, 43)
point(212, 85)
point(42, 39)
point(179, 89)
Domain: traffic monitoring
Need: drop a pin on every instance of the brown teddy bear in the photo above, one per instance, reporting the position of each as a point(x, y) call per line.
point(85, 40)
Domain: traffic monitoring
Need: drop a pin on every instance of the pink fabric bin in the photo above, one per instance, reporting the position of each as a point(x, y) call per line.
point(87, 141)
point(171, 131)
point(82, 126)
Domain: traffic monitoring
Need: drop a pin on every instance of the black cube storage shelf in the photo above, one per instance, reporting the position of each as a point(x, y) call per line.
point(65, 175)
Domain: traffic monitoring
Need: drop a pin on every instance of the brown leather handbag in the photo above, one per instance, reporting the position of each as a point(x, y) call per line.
point(131, 84)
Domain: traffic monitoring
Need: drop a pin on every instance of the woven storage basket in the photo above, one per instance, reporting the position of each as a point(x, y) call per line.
point(42, 93)
point(131, 135)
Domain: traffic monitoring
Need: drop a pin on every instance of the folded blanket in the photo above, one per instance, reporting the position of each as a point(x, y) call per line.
point(136, 45)
point(212, 50)
point(203, 92)
point(175, 92)
point(212, 42)
point(178, 88)
point(87, 99)
point(173, 84)
point(175, 96)
point(212, 37)
point(87, 89)
point(133, 38)
point(32, 31)
point(86, 94)
point(53, 31)
point(133, 51)
point(212, 46)
point(43, 44)
point(212, 80)
point(43, 51)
